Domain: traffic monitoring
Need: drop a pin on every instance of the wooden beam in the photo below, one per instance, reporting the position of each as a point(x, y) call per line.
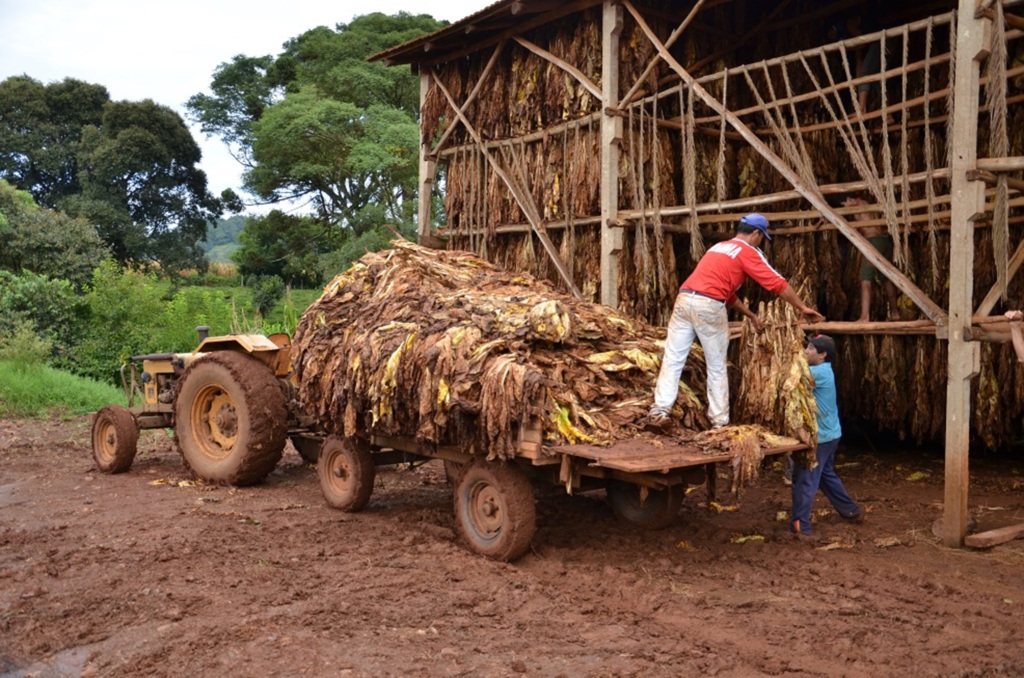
point(810, 193)
point(984, 540)
point(521, 196)
point(1000, 164)
point(611, 143)
point(469, 99)
point(991, 179)
point(989, 302)
point(968, 197)
point(561, 63)
point(654, 60)
point(546, 133)
point(563, 10)
point(427, 171)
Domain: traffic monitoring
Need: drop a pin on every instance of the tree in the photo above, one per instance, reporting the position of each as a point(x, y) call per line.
point(40, 130)
point(46, 242)
point(242, 90)
point(130, 168)
point(325, 125)
point(282, 245)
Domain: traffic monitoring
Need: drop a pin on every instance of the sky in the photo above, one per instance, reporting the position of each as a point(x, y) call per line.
point(167, 50)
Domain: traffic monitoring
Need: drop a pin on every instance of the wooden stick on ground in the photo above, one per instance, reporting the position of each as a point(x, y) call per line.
point(984, 540)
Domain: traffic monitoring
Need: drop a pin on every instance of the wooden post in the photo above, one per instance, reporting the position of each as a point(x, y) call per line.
point(428, 167)
point(968, 199)
point(611, 138)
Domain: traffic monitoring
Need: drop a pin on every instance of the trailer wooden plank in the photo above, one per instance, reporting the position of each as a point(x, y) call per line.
point(984, 540)
point(641, 455)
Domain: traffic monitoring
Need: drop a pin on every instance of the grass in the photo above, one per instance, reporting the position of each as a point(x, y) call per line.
point(38, 390)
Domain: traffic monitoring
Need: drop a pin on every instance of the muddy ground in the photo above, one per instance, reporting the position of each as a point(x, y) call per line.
point(143, 574)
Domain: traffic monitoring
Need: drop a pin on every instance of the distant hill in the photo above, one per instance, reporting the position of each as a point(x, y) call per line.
point(222, 239)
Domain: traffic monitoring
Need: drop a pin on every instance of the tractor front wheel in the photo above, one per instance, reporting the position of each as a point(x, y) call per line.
point(115, 438)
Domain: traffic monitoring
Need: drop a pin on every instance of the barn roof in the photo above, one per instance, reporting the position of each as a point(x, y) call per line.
point(481, 28)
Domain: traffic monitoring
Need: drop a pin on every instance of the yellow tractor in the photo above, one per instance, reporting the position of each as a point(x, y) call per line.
point(231, 404)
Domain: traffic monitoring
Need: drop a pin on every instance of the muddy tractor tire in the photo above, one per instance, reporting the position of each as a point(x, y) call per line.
point(346, 473)
point(495, 510)
point(230, 419)
point(645, 508)
point(115, 439)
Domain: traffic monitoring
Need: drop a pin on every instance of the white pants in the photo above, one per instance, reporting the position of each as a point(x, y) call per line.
point(705, 319)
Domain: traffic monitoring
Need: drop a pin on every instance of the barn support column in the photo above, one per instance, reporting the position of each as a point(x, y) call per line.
point(428, 168)
point(968, 204)
point(611, 138)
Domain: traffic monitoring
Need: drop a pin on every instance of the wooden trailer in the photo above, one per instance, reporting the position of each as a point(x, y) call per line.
point(645, 480)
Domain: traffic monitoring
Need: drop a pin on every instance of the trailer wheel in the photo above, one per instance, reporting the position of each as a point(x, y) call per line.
point(230, 418)
point(495, 510)
point(643, 507)
point(115, 438)
point(346, 473)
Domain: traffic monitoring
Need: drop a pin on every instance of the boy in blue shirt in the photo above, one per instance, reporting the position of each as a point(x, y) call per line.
point(819, 352)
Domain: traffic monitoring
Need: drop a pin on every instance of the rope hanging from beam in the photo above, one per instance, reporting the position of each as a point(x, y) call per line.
point(690, 172)
point(929, 152)
point(999, 144)
point(720, 177)
point(904, 151)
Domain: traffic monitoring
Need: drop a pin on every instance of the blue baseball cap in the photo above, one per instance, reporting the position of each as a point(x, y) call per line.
point(758, 221)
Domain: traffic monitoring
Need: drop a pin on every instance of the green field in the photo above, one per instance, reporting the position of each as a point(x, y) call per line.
point(38, 390)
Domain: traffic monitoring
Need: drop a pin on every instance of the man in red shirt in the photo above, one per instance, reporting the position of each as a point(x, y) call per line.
point(700, 312)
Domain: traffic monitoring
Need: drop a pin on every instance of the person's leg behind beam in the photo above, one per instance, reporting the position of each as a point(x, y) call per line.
point(712, 328)
point(892, 298)
point(805, 486)
point(832, 486)
point(680, 338)
point(865, 301)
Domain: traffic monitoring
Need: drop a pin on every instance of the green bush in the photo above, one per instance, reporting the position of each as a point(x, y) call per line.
point(40, 390)
point(23, 347)
point(193, 306)
point(124, 312)
point(266, 292)
point(129, 315)
point(53, 308)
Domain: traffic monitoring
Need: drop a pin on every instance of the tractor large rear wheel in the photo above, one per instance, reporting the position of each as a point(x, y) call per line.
point(115, 438)
point(230, 419)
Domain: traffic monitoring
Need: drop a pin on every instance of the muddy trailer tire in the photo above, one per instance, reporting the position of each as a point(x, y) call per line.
point(115, 439)
point(495, 509)
point(645, 508)
point(230, 419)
point(346, 472)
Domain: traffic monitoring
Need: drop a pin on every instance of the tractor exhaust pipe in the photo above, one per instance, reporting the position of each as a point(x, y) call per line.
point(203, 331)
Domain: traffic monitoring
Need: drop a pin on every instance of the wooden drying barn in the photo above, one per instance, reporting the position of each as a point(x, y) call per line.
point(604, 145)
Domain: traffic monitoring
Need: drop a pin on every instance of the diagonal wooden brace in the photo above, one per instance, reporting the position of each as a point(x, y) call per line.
point(810, 193)
point(521, 195)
